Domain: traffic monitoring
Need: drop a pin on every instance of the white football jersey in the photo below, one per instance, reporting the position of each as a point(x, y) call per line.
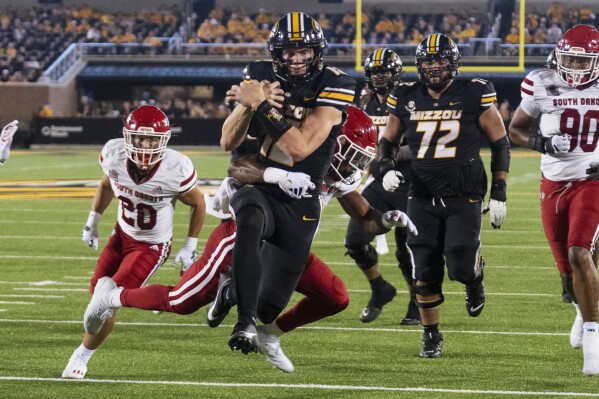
point(146, 209)
point(337, 189)
point(563, 110)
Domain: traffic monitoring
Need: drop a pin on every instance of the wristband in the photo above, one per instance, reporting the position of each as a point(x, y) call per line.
point(498, 191)
point(274, 175)
point(191, 242)
point(537, 143)
point(275, 123)
point(93, 219)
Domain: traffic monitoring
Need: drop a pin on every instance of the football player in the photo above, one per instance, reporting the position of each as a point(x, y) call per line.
point(147, 178)
point(296, 133)
point(563, 103)
point(6, 136)
point(325, 294)
point(443, 120)
point(383, 69)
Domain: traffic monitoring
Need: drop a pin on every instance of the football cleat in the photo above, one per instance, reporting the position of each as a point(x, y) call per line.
point(76, 368)
point(432, 344)
point(378, 299)
point(475, 294)
point(576, 332)
point(412, 317)
point(270, 347)
point(244, 338)
point(99, 309)
point(220, 307)
point(590, 348)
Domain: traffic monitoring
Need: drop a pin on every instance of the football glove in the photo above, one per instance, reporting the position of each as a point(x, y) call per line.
point(221, 201)
point(89, 235)
point(397, 218)
point(294, 184)
point(6, 139)
point(558, 144)
point(392, 180)
point(187, 254)
point(497, 212)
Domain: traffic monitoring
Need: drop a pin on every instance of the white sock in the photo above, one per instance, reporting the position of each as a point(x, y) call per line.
point(578, 314)
point(590, 327)
point(115, 298)
point(273, 329)
point(85, 353)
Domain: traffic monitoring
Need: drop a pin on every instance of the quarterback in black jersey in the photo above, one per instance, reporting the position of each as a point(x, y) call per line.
point(383, 69)
point(444, 120)
point(293, 104)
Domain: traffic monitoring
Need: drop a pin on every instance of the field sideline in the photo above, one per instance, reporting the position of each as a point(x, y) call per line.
point(518, 347)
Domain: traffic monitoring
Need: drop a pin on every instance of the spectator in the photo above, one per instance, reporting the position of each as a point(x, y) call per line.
point(46, 111)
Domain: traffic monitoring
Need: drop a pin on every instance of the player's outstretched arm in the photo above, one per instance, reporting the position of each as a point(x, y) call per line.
point(195, 200)
point(102, 199)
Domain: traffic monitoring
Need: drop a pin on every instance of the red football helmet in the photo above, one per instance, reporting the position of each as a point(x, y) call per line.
point(576, 55)
point(147, 131)
point(356, 146)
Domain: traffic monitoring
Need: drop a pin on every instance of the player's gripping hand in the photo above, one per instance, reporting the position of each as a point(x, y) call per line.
point(397, 218)
point(558, 144)
point(6, 140)
point(89, 235)
point(294, 184)
point(392, 179)
point(221, 200)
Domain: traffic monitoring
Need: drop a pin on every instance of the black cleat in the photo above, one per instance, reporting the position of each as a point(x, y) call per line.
point(219, 308)
point(379, 298)
point(412, 317)
point(475, 294)
point(244, 338)
point(432, 344)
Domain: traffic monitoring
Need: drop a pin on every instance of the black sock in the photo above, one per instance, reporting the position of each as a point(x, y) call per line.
point(431, 328)
point(377, 283)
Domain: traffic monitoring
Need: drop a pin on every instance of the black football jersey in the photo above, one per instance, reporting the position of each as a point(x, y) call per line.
point(444, 136)
point(379, 113)
point(332, 87)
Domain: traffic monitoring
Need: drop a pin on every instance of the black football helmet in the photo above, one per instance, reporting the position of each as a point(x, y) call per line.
point(382, 60)
point(437, 46)
point(296, 30)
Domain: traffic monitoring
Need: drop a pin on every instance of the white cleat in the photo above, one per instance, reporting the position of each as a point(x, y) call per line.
point(99, 309)
point(270, 347)
point(590, 347)
point(76, 368)
point(381, 245)
point(576, 332)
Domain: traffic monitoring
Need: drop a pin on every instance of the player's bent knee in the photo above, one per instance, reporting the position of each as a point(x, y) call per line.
point(365, 256)
point(340, 298)
point(250, 217)
point(428, 296)
point(577, 256)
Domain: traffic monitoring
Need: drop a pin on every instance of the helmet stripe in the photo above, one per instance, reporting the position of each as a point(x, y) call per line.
point(433, 43)
point(295, 22)
point(378, 57)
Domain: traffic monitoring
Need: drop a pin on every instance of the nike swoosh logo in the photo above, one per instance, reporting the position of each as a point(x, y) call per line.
point(451, 103)
point(478, 307)
point(308, 98)
point(473, 200)
point(307, 219)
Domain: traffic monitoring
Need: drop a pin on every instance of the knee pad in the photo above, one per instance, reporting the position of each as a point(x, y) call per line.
point(251, 217)
point(431, 290)
point(365, 256)
point(267, 313)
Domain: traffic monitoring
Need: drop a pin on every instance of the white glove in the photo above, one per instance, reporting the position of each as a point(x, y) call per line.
point(560, 143)
point(392, 180)
point(398, 219)
point(497, 211)
point(90, 230)
point(221, 201)
point(6, 139)
point(186, 255)
point(294, 184)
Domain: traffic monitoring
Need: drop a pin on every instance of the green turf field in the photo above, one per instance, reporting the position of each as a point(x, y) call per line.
point(518, 347)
